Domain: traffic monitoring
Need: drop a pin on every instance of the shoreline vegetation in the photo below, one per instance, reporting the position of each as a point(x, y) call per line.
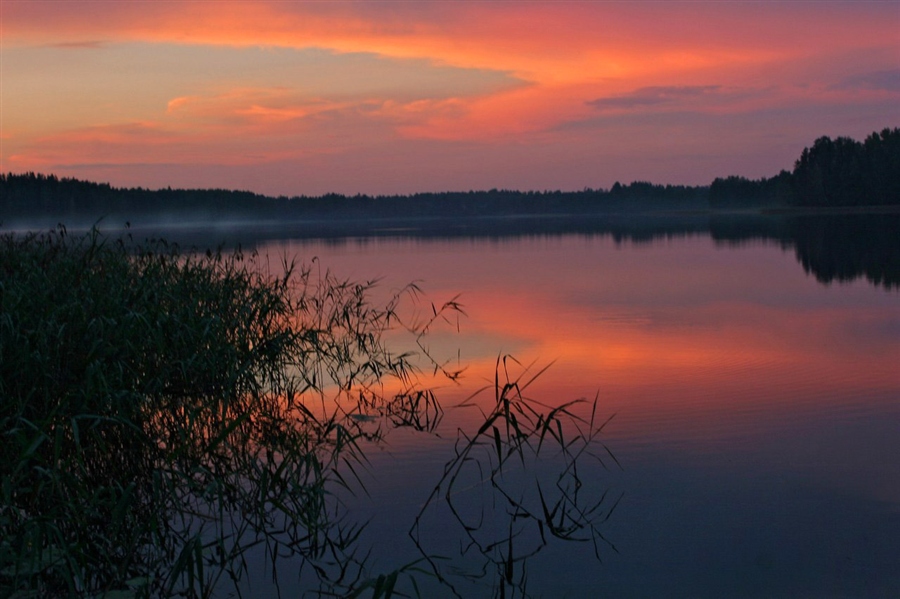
point(840, 174)
point(165, 413)
point(156, 415)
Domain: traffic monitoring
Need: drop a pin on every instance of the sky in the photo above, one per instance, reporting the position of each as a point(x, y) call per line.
point(288, 97)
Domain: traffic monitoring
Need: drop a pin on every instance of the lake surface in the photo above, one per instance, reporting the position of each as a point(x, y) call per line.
point(755, 418)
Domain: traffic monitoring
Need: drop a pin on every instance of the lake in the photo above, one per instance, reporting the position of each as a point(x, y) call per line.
point(753, 386)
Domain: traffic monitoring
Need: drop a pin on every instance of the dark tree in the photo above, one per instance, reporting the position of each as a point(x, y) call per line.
point(882, 166)
point(844, 172)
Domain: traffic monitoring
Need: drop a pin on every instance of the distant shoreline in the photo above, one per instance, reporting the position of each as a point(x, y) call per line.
point(833, 177)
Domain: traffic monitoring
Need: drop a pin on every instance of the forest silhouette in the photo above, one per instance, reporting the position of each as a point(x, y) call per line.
point(832, 173)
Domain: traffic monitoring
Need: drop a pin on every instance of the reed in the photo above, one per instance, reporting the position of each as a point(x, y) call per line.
point(156, 416)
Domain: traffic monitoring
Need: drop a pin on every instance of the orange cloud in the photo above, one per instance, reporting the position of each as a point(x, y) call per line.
point(238, 127)
point(137, 141)
point(248, 105)
point(548, 42)
point(177, 103)
point(553, 67)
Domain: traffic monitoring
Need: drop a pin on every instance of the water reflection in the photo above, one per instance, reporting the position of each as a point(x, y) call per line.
point(830, 247)
point(850, 247)
point(744, 390)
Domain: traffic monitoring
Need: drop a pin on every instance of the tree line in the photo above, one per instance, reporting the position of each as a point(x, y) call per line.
point(839, 172)
point(34, 194)
point(833, 172)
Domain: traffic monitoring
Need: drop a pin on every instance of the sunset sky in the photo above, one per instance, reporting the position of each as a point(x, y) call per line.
point(309, 97)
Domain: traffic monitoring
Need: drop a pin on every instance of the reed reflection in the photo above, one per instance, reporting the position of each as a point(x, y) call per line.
point(514, 487)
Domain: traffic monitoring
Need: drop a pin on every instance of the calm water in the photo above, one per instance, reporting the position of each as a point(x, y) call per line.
point(756, 416)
